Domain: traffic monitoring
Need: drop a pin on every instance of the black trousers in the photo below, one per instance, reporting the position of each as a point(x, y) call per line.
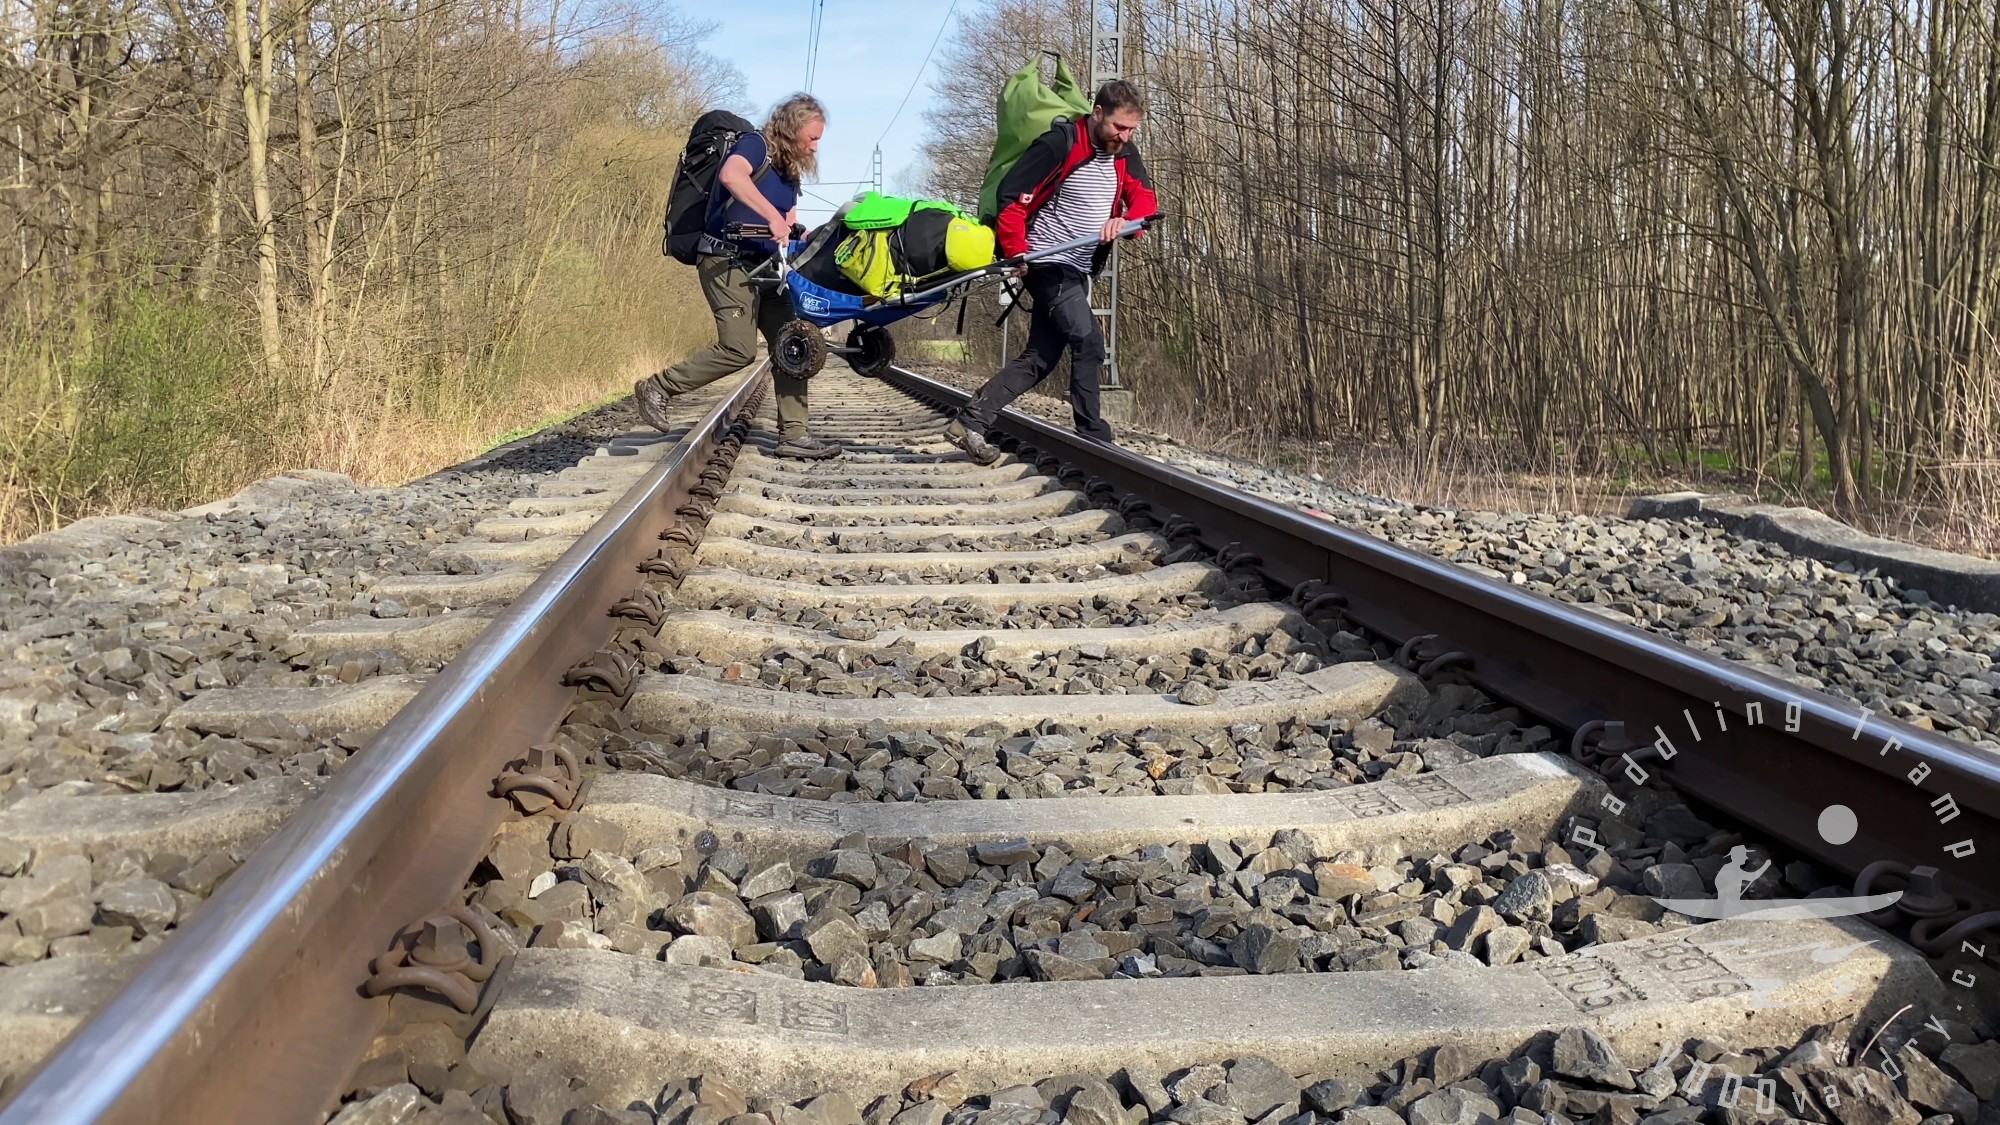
point(1060, 319)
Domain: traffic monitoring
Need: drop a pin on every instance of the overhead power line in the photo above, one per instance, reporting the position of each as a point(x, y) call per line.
point(816, 23)
point(836, 203)
point(921, 67)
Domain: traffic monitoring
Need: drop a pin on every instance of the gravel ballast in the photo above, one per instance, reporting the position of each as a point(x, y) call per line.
point(1856, 635)
point(109, 626)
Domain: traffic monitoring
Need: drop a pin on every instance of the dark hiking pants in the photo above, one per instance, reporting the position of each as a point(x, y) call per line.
point(1060, 319)
point(741, 313)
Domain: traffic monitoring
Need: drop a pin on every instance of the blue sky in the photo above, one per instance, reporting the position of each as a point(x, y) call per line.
point(869, 52)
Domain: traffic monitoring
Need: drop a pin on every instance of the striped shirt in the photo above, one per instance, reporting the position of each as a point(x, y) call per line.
point(1080, 209)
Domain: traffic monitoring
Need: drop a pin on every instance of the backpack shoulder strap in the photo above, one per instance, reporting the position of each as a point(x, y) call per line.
point(757, 173)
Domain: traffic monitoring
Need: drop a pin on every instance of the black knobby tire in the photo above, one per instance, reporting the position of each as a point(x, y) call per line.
point(801, 350)
point(873, 350)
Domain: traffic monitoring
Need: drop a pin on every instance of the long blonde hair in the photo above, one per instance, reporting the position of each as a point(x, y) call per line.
point(791, 159)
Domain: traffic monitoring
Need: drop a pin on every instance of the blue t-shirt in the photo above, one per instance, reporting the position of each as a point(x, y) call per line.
point(782, 194)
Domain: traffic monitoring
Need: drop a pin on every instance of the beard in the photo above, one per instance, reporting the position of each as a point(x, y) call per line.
point(1106, 139)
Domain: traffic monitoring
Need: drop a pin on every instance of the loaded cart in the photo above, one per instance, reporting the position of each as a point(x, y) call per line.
point(822, 297)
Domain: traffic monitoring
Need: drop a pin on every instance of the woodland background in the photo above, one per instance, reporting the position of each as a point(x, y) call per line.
point(1751, 240)
point(1748, 239)
point(359, 235)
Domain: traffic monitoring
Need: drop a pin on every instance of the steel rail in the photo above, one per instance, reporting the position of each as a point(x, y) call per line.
point(1572, 667)
point(253, 1010)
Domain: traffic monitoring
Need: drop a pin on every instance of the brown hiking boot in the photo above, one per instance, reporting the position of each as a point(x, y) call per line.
point(806, 447)
point(975, 445)
point(651, 399)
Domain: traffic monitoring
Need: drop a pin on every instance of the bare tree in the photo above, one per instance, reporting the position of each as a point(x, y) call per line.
point(406, 203)
point(1671, 230)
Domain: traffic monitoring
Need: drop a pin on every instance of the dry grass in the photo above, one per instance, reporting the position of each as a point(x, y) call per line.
point(1485, 476)
point(180, 414)
point(384, 447)
point(599, 325)
point(376, 443)
point(1462, 475)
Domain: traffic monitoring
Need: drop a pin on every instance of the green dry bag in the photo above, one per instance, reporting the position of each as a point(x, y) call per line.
point(1026, 110)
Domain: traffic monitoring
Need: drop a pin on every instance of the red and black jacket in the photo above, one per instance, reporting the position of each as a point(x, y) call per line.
point(1038, 175)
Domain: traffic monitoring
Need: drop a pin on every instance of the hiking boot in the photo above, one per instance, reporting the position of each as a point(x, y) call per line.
point(651, 400)
point(806, 447)
point(975, 445)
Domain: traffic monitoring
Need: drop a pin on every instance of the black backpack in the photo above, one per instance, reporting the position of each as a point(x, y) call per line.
point(709, 142)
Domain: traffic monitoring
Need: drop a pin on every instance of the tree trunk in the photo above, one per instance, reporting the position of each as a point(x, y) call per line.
point(252, 38)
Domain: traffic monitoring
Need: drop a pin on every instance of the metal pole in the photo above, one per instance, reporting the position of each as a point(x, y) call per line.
point(1107, 61)
point(1111, 324)
point(875, 169)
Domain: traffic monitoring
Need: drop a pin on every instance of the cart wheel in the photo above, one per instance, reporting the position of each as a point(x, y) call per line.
point(873, 350)
point(801, 350)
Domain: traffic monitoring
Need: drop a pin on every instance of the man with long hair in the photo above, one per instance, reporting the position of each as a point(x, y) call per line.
point(758, 186)
point(1081, 179)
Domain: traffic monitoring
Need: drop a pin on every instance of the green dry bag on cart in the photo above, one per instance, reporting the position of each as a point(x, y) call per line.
point(898, 243)
point(1026, 110)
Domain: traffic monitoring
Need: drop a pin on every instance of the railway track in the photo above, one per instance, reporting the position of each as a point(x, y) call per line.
point(821, 753)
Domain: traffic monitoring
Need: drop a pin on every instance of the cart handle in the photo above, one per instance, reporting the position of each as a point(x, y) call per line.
point(1131, 229)
point(763, 230)
point(779, 265)
point(759, 230)
point(1008, 265)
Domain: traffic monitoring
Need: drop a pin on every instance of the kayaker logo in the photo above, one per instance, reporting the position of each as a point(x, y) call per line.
point(1958, 946)
point(1735, 879)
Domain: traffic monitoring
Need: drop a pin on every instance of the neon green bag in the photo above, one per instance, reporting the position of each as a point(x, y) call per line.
point(899, 243)
point(875, 211)
point(968, 246)
point(1026, 110)
point(865, 259)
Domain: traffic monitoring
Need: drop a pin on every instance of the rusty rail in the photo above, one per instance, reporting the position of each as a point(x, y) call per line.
point(255, 1010)
point(1574, 668)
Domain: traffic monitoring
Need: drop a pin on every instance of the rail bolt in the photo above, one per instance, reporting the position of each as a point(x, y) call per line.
point(439, 958)
point(442, 944)
point(545, 781)
point(1927, 897)
point(1612, 745)
point(604, 670)
point(670, 563)
point(643, 604)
